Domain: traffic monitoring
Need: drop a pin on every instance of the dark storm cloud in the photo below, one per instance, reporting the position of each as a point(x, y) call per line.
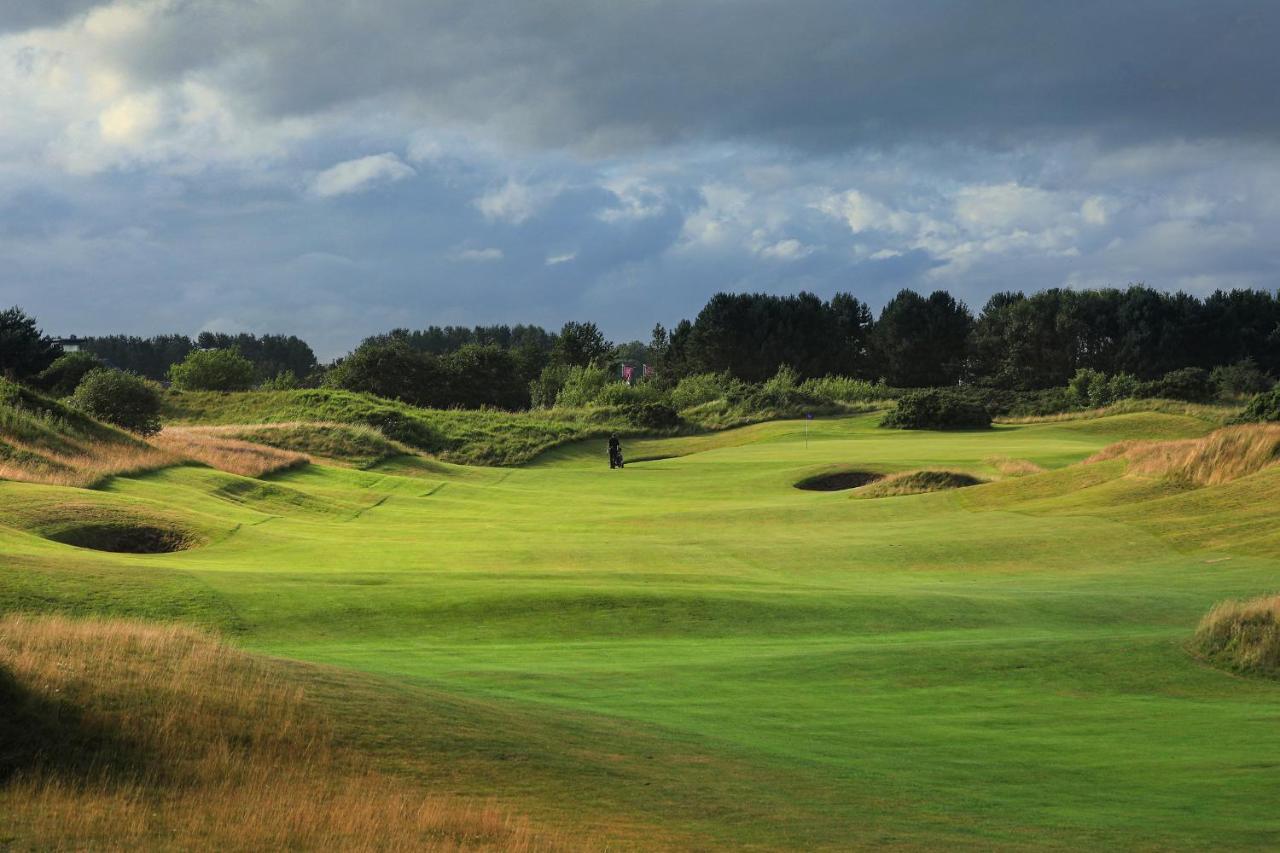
point(24, 14)
point(818, 73)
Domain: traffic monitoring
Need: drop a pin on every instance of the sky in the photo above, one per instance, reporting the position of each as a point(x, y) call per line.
point(337, 168)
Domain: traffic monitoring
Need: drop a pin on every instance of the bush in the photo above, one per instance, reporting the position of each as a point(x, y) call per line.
point(1263, 407)
point(285, 380)
point(61, 378)
point(935, 408)
point(582, 385)
point(1190, 384)
point(653, 416)
point(622, 394)
point(120, 398)
point(845, 389)
point(478, 375)
point(1243, 377)
point(544, 390)
point(393, 370)
point(212, 370)
point(704, 387)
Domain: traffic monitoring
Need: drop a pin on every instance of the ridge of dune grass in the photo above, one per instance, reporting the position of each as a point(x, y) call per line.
point(1218, 414)
point(466, 436)
point(45, 441)
point(227, 452)
point(346, 444)
point(1221, 456)
point(118, 734)
point(1242, 635)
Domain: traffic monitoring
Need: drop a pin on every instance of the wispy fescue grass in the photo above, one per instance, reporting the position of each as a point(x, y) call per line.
point(94, 462)
point(1242, 635)
point(1219, 457)
point(219, 448)
point(122, 734)
point(346, 444)
point(917, 483)
point(43, 441)
point(1216, 414)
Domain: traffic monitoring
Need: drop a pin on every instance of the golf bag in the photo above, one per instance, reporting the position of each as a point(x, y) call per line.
point(615, 457)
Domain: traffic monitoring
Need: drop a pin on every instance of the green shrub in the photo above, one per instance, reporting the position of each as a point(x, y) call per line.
point(582, 386)
point(544, 390)
point(1189, 384)
point(390, 369)
point(704, 387)
point(1080, 387)
point(285, 380)
point(1243, 377)
point(622, 394)
point(61, 378)
point(212, 370)
point(936, 408)
point(845, 389)
point(120, 398)
point(652, 416)
point(1122, 386)
point(1263, 407)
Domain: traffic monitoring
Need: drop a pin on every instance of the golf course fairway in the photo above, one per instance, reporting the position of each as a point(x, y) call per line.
point(693, 653)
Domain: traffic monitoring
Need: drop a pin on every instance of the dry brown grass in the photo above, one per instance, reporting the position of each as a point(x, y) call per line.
point(1219, 457)
point(94, 462)
point(213, 447)
point(1242, 635)
point(1014, 467)
point(917, 483)
point(164, 738)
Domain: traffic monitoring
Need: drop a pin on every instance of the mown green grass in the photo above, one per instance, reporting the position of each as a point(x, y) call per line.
point(693, 652)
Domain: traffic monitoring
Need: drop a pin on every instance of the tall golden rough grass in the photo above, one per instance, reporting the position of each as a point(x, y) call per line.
point(218, 450)
point(96, 461)
point(162, 737)
point(1219, 457)
point(1242, 635)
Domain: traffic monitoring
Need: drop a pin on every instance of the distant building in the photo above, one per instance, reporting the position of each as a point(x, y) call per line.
point(71, 344)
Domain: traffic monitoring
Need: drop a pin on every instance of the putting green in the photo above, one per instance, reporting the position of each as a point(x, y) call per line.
point(693, 652)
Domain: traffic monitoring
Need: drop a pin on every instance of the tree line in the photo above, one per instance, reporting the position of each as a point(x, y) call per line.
point(1017, 342)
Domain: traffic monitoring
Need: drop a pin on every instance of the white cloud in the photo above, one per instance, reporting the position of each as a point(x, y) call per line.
point(786, 250)
point(555, 260)
point(516, 202)
point(478, 255)
point(636, 199)
point(353, 176)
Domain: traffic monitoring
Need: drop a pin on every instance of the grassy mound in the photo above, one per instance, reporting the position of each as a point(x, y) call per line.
point(918, 482)
point(1242, 635)
point(1220, 457)
point(225, 452)
point(347, 444)
point(1217, 415)
point(44, 441)
point(477, 437)
point(122, 734)
point(837, 481)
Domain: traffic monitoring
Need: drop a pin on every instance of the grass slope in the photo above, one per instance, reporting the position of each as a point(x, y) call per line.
point(691, 652)
point(456, 435)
